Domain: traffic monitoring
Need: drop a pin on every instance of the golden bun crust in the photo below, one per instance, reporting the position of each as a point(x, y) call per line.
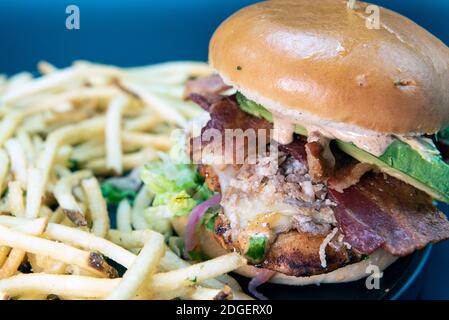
point(318, 60)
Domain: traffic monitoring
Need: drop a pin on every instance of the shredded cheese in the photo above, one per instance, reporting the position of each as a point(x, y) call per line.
point(324, 245)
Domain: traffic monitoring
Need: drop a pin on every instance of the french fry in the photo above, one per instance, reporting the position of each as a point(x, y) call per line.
point(4, 251)
point(196, 273)
point(77, 271)
point(57, 216)
point(15, 199)
point(33, 296)
point(25, 141)
point(9, 124)
point(67, 135)
point(19, 79)
point(157, 141)
point(142, 201)
point(144, 122)
point(4, 168)
point(142, 268)
point(90, 242)
point(53, 102)
point(12, 263)
point(90, 261)
point(165, 295)
point(38, 143)
point(35, 193)
point(79, 286)
point(159, 105)
point(18, 161)
point(123, 221)
point(130, 161)
point(46, 67)
point(23, 225)
point(64, 196)
point(170, 261)
point(109, 120)
point(89, 153)
point(128, 239)
point(113, 134)
point(95, 149)
point(45, 212)
point(176, 72)
point(16, 256)
point(45, 264)
point(55, 79)
point(4, 296)
point(63, 155)
point(97, 207)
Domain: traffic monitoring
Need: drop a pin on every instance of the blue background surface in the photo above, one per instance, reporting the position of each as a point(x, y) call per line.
point(137, 32)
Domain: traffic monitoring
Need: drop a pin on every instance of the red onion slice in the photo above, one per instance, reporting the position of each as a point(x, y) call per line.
point(195, 216)
point(262, 276)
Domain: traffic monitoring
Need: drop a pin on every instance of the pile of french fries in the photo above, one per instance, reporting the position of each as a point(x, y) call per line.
point(56, 241)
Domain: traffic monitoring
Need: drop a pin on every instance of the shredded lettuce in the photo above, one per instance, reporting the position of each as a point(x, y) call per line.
point(165, 176)
point(114, 195)
point(181, 203)
point(177, 188)
point(159, 219)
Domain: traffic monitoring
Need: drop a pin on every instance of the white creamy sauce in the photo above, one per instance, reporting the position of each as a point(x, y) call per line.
point(283, 130)
point(375, 144)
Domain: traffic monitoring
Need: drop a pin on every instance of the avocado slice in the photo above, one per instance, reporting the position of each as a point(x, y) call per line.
point(400, 160)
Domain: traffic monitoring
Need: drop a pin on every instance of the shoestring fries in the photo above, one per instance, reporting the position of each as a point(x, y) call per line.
point(63, 137)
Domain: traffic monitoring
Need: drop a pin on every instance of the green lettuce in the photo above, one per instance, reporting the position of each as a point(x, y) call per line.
point(177, 188)
point(159, 219)
point(114, 195)
point(166, 176)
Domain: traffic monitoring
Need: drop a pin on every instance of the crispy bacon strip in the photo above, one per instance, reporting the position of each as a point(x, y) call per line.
point(383, 212)
point(296, 149)
point(226, 114)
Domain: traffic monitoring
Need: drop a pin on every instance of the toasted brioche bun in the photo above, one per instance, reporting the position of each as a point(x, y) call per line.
point(348, 273)
point(318, 62)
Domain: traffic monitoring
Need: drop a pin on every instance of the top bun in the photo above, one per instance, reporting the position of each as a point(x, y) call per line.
point(318, 61)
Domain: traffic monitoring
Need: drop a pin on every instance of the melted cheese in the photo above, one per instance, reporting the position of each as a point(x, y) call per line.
point(244, 211)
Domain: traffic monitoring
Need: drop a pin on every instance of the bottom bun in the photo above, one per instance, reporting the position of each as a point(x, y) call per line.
point(348, 273)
